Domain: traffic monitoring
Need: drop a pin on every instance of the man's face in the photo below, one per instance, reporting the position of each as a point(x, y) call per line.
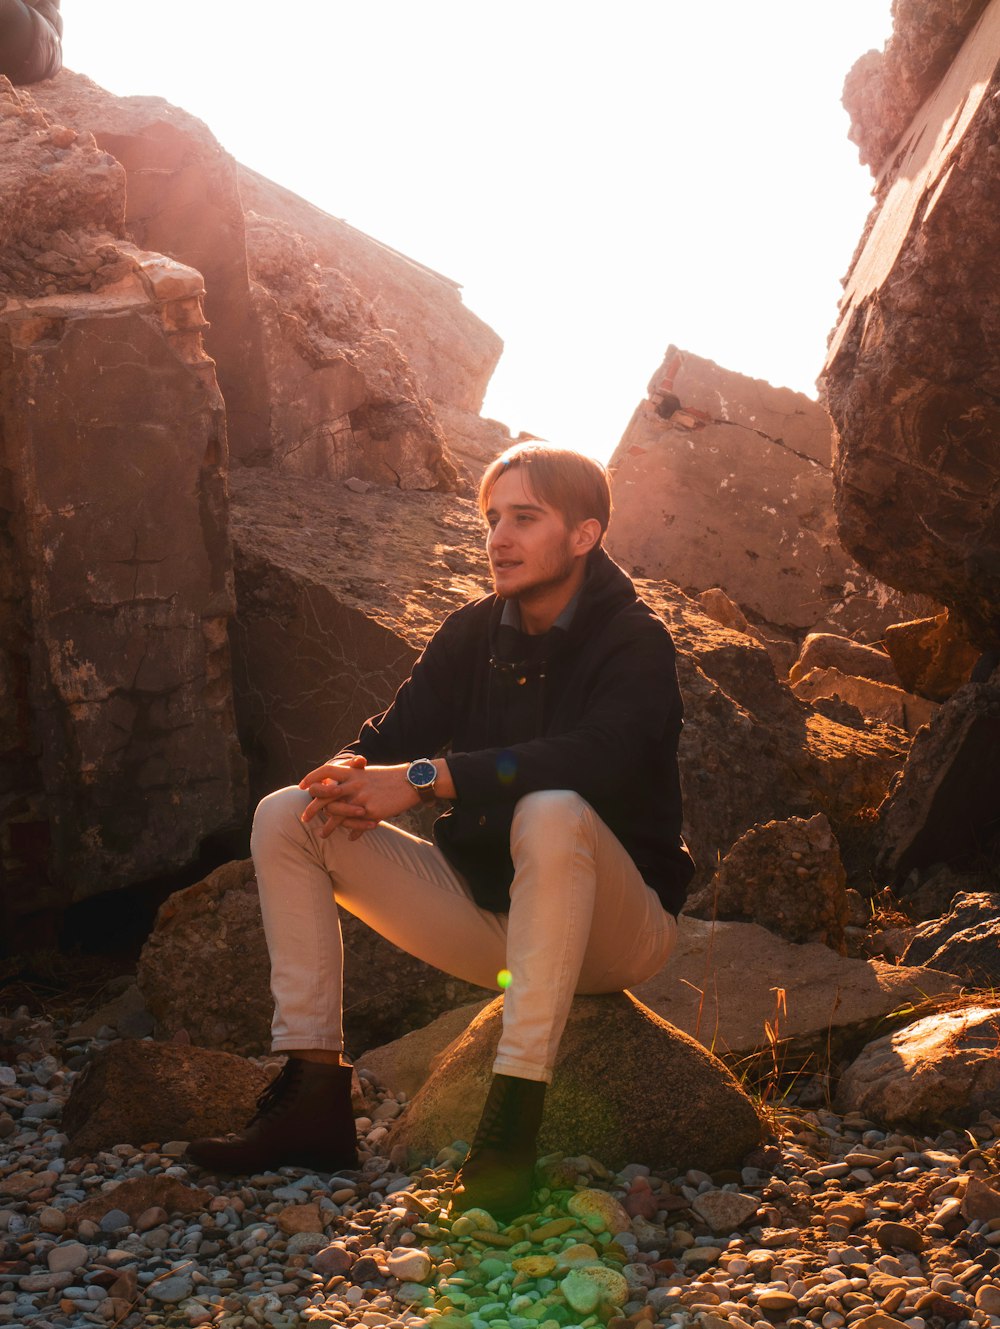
point(529, 545)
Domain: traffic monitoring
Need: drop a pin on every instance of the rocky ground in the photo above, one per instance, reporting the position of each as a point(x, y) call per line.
point(838, 1222)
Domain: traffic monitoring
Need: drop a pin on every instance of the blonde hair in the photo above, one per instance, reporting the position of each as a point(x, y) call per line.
point(572, 483)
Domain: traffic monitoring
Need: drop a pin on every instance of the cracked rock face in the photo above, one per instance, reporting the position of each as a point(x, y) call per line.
point(120, 753)
point(912, 381)
point(722, 480)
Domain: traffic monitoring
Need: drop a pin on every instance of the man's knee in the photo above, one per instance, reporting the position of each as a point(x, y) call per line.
point(278, 813)
point(548, 811)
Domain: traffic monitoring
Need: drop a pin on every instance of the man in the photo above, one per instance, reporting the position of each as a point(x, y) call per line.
point(30, 40)
point(558, 857)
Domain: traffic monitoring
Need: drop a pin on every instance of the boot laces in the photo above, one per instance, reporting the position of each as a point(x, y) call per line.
point(277, 1095)
point(493, 1128)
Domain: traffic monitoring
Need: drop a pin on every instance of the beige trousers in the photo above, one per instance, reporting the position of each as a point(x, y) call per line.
point(581, 919)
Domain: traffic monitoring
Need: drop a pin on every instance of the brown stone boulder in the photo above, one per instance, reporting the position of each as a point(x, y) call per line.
point(343, 400)
point(724, 481)
point(405, 1063)
point(116, 723)
point(628, 1088)
point(965, 941)
point(451, 351)
point(931, 656)
point(944, 807)
point(785, 875)
point(710, 989)
point(877, 701)
point(721, 984)
point(717, 604)
point(943, 1068)
point(184, 201)
point(204, 973)
point(914, 398)
point(885, 88)
point(825, 650)
point(138, 1093)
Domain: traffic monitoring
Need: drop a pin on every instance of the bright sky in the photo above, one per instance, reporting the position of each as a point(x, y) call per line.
point(603, 179)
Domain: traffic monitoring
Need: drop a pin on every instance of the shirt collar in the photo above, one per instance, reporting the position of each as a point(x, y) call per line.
point(511, 616)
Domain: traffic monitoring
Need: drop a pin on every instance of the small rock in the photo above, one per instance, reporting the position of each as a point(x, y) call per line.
point(300, 1218)
point(52, 1220)
point(586, 1289)
point(67, 1257)
point(773, 1299)
point(577, 1256)
point(114, 1220)
point(900, 1235)
point(599, 1212)
point(172, 1289)
point(725, 1211)
point(307, 1243)
point(988, 1298)
point(534, 1266)
point(150, 1218)
point(332, 1260)
point(410, 1265)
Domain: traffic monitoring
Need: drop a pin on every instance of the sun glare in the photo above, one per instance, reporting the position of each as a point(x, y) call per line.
point(601, 182)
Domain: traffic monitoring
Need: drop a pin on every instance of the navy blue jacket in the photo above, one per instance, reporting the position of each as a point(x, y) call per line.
point(595, 708)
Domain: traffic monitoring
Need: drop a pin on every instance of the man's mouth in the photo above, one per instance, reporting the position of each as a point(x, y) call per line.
point(505, 565)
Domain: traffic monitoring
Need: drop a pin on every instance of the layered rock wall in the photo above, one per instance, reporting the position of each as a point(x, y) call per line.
point(183, 200)
point(120, 753)
point(331, 348)
point(912, 379)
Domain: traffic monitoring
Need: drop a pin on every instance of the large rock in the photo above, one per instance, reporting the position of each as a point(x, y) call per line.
point(931, 656)
point(944, 807)
point(722, 480)
point(325, 633)
point(878, 701)
point(911, 377)
point(825, 650)
point(183, 200)
point(405, 1063)
point(965, 941)
point(204, 973)
point(139, 1092)
point(885, 88)
point(627, 1088)
point(343, 400)
point(943, 1068)
point(328, 343)
point(116, 698)
point(785, 875)
point(452, 352)
point(720, 984)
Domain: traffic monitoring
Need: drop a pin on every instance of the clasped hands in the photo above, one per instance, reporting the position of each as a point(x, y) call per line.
point(352, 794)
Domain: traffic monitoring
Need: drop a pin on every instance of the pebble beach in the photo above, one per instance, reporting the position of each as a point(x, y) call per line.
point(837, 1222)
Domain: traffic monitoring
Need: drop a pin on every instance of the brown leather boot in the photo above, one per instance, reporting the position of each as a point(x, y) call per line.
point(499, 1172)
point(303, 1119)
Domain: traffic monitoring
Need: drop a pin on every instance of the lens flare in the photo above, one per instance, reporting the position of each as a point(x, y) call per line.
point(504, 979)
point(506, 768)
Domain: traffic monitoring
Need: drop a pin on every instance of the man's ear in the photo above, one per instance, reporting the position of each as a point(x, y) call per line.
point(586, 536)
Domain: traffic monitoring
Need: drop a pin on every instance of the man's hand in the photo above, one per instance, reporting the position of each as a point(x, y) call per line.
point(356, 796)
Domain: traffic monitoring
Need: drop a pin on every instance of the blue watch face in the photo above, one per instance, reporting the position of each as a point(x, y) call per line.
point(421, 774)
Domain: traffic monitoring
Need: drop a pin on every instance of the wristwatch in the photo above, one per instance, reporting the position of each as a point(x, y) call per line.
point(422, 774)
